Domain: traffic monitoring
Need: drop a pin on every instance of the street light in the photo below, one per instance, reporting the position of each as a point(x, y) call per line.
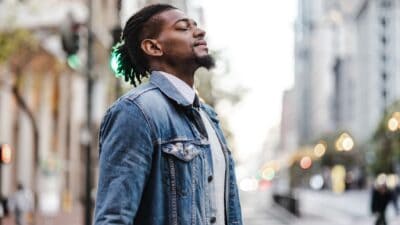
point(305, 162)
point(344, 143)
point(320, 149)
point(394, 122)
point(5, 153)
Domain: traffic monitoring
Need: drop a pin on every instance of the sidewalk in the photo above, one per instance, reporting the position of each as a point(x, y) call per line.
point(349, 208)
point(75, 217)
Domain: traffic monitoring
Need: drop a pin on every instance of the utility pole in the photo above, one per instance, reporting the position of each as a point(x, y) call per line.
point(88, 130)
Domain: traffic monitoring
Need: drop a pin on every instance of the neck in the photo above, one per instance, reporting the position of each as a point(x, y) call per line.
point(186, 74)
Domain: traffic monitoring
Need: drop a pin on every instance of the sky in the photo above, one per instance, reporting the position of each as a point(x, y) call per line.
point(257, 38)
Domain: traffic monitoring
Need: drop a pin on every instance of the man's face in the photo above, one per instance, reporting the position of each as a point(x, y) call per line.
point(182, 41)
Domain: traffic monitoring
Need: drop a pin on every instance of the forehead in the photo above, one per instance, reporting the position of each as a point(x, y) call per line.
point(170, 17)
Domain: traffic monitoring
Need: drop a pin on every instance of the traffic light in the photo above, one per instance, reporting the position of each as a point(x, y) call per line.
point(70, 43)
point(5, 154)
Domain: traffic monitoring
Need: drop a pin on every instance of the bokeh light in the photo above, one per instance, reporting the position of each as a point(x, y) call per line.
point(344, 143)
point(317, 182)
point(248, 184)
point(305, 162)
point(268, 173)
point(381, 179)
point(320, 149)
point(338, 175)
point(392, 181)
point(263, 185)
point(393, 124)
point(348, 143)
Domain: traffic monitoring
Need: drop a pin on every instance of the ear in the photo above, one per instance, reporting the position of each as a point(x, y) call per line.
point(151, 47)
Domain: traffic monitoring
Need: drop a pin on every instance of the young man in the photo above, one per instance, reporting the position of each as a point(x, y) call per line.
point(163, 157)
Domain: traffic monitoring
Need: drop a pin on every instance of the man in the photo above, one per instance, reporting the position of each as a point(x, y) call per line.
point(21, 203)
point(163, 157)
point(381, 196)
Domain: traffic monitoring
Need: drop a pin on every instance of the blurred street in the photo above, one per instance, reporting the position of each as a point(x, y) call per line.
point(75, 217)
point(317, 208)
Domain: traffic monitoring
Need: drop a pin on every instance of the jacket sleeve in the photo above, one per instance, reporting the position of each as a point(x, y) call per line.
point(126, 149)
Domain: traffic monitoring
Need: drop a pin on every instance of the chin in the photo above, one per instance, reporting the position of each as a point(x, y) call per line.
point(206, 61)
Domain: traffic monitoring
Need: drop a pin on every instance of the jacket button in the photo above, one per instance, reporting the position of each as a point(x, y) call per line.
point(210, 178)
point(213, 219)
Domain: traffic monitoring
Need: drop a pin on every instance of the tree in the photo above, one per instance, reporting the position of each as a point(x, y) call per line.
point(385, 144)
point(17, 48)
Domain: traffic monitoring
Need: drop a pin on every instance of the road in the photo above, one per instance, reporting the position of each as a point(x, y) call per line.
point(317, 208)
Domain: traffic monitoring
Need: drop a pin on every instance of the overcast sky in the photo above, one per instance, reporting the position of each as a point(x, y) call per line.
point(257, 37)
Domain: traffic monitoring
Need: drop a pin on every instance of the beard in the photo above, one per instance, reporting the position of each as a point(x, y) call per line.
point(206, 61)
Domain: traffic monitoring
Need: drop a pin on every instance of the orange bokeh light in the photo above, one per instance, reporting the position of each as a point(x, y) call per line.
point(305, 162)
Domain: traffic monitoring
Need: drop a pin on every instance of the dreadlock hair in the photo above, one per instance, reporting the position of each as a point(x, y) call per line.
point(132, 63)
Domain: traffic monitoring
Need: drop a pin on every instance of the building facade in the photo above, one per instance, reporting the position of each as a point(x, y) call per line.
point(346, 66)
point(54, 94)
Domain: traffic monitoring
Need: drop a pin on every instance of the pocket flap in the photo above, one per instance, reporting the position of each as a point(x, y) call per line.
point(182, 151)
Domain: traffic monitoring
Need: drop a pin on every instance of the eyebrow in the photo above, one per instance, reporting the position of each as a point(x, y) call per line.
point(186, 20)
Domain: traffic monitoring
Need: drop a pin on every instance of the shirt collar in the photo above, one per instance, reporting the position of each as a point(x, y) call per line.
point(187, 91)
point(173, 87)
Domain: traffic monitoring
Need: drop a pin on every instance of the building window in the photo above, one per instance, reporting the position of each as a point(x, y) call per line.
point(383, 21)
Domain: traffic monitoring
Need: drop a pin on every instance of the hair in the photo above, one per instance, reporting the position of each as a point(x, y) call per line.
point(132, 63)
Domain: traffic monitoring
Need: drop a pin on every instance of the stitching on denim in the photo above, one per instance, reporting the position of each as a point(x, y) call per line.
point(193, 193)
point(174, 216)
point(206, 193)
point(151, 125)
point(227, 181)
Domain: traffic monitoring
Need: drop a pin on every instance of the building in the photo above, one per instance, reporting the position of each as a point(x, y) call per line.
point(288, 131)
point(313, 73)
point(346, 66)
point(55, 95)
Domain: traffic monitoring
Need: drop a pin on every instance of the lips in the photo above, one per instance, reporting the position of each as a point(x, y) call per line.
point(200, 43)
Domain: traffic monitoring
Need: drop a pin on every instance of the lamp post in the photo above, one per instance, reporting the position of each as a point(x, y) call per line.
point(88, 129)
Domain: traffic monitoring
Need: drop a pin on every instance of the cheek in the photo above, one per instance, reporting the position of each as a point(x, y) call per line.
point(177, 47)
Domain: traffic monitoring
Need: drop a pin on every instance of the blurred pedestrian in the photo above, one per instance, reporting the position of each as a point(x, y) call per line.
point(163, 156)
point(381, 196)
point(21, 203)
point(395, 194)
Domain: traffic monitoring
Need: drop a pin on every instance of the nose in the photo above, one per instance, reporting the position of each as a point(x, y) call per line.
point(199, 32)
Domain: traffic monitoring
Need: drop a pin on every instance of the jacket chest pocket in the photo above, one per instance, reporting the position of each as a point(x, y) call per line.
point(183, 163)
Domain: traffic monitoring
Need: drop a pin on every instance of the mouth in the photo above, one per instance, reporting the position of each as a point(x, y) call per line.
point(200, 43)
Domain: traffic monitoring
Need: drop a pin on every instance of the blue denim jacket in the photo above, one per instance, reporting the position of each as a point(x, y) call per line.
point(155, 164)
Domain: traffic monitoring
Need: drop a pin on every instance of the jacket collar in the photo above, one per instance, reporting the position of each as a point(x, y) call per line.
point(167, 88)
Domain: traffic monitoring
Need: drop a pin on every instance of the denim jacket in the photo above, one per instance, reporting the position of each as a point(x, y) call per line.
point(155, 163)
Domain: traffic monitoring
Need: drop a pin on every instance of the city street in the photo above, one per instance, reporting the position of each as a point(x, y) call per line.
point(258, 209)
point(316, 208)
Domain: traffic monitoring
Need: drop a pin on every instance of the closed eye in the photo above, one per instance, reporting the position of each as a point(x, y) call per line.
point(182, 28)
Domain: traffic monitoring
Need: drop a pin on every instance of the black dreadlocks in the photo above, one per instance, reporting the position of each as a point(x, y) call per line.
point(132, 63)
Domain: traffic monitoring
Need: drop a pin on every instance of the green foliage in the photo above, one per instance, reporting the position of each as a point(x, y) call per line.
point(385, 145)
point(332, 157)
point(14, 41)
